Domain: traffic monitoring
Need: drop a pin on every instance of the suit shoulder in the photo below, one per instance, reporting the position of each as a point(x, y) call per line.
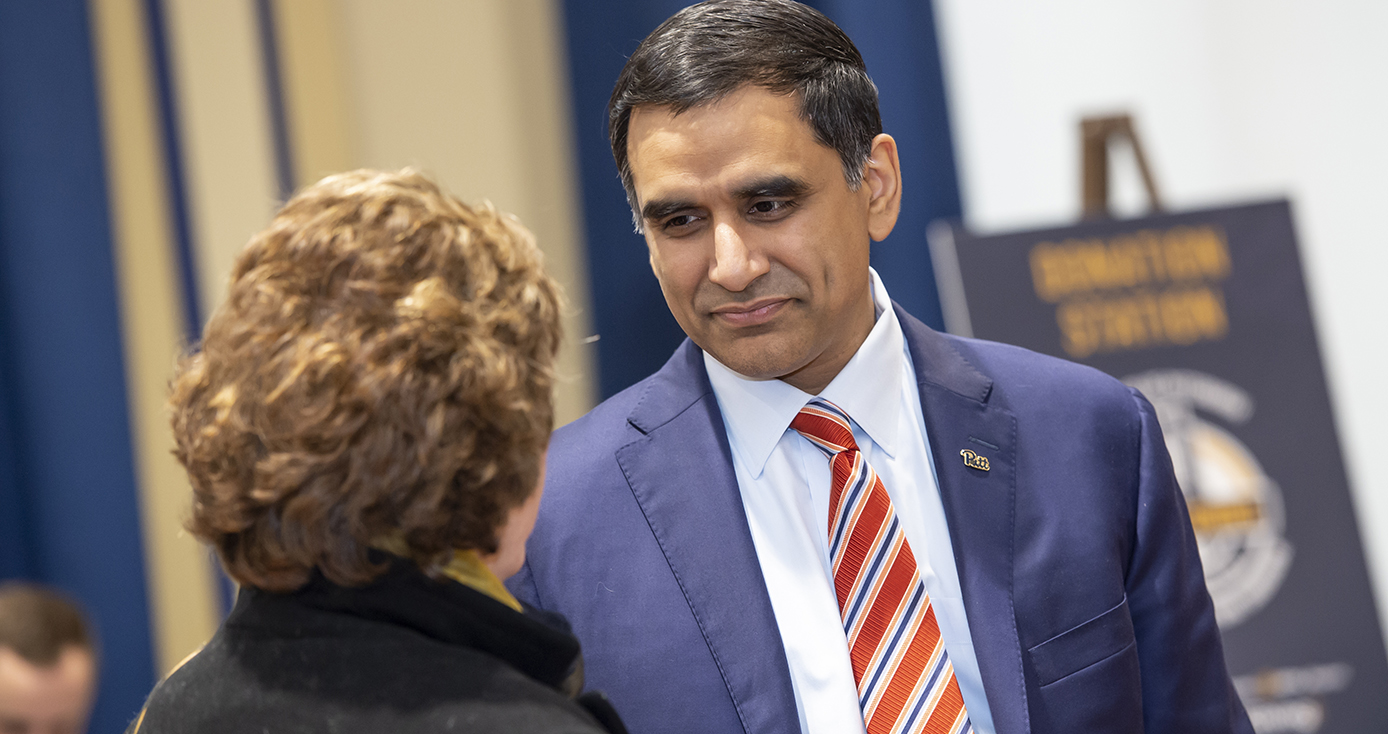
point(635, 411)
point(605, 428)
point(1021, 376)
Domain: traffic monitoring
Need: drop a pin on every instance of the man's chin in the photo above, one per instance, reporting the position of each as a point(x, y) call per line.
point(754, 364)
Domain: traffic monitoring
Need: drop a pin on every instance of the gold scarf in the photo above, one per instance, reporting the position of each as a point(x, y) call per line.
point(466, 567)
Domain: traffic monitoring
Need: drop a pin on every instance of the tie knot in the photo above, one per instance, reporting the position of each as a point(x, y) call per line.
point(826, 426)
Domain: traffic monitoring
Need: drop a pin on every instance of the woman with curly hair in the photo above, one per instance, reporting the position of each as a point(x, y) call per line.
point(365, 427)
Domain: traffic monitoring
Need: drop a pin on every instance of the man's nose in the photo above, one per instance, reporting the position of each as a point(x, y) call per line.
point(735, 262)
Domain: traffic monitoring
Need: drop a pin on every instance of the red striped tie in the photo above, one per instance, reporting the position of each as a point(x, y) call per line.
point(905, 680)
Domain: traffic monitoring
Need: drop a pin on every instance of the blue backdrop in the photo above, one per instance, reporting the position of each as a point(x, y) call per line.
point(67, 482)
point(897, 40)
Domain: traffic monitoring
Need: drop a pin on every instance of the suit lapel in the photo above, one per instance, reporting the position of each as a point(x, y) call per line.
point(979, 507)
point(681, 474)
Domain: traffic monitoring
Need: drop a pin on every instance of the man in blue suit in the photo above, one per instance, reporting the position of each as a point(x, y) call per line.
point(688, 529)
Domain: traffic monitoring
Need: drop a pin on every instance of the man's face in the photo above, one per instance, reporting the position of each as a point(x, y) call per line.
point(760, 246)
point(56, 699)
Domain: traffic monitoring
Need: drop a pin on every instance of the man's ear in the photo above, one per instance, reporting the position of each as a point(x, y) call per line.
point(882, 178)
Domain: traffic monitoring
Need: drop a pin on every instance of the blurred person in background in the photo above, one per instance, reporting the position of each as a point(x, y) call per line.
point(365, 427)
point(47, 663)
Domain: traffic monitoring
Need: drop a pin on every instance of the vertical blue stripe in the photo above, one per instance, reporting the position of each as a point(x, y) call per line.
point(63, 359)
point(898, 41)
point(629, 313)
point(274, 95)
point(15, 540)
point(174, 172)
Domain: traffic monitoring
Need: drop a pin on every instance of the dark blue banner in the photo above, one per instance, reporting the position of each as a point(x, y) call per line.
point(1206, 313)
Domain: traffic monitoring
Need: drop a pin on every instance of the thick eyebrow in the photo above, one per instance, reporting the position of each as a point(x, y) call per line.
point(776, 187)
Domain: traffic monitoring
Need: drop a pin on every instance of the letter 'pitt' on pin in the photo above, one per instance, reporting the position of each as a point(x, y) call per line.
point(973, 460)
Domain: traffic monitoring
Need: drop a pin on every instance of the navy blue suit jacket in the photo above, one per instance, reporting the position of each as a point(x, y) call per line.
point(1079, 571)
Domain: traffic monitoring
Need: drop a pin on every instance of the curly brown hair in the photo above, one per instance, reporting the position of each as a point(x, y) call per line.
point(382, 367)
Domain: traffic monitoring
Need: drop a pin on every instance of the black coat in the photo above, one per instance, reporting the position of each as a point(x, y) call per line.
point(404, 654)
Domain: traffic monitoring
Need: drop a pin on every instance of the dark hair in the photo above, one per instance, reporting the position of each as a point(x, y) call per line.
point(38, 624)
point(381, 369)
point(708, 51)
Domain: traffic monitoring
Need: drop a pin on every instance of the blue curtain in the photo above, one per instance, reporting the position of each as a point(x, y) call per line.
point(898, 42)
point(14, 531)
point(67, 481)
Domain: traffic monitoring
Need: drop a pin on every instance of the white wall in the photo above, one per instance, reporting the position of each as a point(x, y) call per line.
point(1234, 100)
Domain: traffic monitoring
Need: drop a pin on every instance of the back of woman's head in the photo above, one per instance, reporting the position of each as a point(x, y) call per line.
point(381, 367)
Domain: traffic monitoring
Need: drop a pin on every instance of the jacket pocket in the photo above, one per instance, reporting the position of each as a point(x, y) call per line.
point(1082, 646)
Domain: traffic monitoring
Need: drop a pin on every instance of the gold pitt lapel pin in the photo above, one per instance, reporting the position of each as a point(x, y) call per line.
point(973, 460)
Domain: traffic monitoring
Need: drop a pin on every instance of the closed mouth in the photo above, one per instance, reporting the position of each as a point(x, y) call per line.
point(750, 314)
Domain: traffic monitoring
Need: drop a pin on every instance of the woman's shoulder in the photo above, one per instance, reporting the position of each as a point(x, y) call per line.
point(347, 679)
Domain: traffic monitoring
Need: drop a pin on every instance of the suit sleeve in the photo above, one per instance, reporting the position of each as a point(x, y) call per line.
point(1185, 684)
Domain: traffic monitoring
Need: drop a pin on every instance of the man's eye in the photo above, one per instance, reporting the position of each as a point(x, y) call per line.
point(770, 206)
point(679, 222)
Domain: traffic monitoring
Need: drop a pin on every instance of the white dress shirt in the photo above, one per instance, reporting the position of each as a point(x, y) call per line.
point(784, 482)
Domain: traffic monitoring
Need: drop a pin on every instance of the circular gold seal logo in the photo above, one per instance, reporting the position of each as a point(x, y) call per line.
point(1235, 508)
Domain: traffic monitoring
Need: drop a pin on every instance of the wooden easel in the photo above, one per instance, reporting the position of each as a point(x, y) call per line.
point(1095, 135)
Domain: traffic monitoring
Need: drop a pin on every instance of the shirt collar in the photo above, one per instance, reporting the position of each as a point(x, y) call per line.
point(868, 388)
